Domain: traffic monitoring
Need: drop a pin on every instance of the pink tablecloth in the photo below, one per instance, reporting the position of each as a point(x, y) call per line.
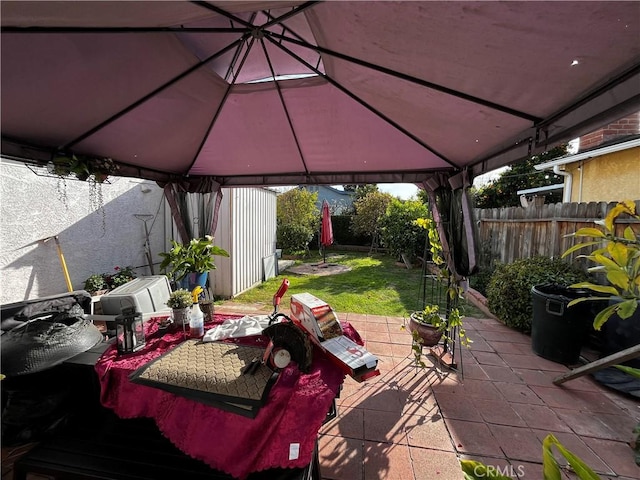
point(286, 424)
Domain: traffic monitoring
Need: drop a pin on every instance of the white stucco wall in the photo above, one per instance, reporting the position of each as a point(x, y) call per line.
point(32, 209)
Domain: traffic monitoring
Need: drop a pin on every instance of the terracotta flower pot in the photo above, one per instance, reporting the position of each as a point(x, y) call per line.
point(429, 334)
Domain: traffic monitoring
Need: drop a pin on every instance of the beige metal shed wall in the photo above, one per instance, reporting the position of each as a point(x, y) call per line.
point(247, 230)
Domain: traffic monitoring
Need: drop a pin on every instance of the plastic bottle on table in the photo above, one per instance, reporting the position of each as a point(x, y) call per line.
point(196, 322)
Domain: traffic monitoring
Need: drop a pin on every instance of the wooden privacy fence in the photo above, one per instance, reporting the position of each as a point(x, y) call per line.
point(509, 234)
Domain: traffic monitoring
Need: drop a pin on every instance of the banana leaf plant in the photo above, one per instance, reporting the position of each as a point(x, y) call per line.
point(618, 258)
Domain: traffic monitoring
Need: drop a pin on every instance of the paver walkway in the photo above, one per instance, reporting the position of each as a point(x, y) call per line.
point(409, 425)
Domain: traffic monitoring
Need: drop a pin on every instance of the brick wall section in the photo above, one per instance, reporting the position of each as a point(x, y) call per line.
point(626, 126)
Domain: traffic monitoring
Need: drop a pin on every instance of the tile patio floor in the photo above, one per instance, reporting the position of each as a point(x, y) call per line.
point(405, 425)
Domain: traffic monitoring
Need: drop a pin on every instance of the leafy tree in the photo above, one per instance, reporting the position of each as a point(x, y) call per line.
point(297, 218)
point(361, 190)
point(503, 191)
point(369, 210)
point(400, 234)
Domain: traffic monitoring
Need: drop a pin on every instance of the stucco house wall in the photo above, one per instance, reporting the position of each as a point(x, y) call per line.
point(35, 207)
point(608, 178)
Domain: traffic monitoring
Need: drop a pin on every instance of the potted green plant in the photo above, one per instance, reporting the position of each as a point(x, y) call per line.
point(194, 259)
point(180, 302)
point(95, 284)
point(617, 257)
point(428, 325)
point(121, 276)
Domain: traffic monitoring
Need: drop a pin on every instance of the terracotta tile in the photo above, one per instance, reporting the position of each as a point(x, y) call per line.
point(622, 425)
point(479, 344)
point(617, 455)
point(518, 443)
point(473, 438)
point(379, 348)
point(385, 365)
point(497, 465)
point(340, 458)
point(434, 464)
point(377, 327)
point(586, 424)
point(350, 317)
point(518, 393)
point(575, 445)
point(501, 374)
point(477, 389)
point(489, 358)
point(596, 402)
point(556, 396)
point(384, 399)
point(540, 417)
point(488, 324)
point(386, 427)
point(377, 336)
point(402, 350)
point(421, 403)
point(532, 362)
point(528, 470)
point(627, 404)
point(401, 338)
point(505, 335)
point(457, 407)
point(387, 462)
point(585, 383)
point(498, 412)
point(535, 377)
point(473, 371)
point(428, 432)
point(510, 347)
point(376, 319)
point(354, 393)
point(349, 424)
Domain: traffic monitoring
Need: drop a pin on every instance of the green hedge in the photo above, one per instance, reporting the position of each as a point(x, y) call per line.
point(509, 290)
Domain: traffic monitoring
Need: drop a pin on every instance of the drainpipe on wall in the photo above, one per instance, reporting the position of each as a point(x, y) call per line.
point(566, 192)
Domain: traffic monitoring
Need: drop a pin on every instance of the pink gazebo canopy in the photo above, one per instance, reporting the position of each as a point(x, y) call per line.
point(281, 93)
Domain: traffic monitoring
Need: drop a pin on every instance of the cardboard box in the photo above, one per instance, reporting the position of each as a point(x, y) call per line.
point(316, 316)
point(322, 324)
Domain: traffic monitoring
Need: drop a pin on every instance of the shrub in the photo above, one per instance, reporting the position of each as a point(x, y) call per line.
point(509, 291)
point(293, 237)
point(399, 232)
point(297, 218)
point(480, 281)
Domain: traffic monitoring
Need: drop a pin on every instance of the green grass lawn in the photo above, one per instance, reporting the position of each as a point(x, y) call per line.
point(376, 285)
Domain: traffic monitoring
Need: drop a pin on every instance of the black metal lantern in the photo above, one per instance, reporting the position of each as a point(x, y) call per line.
point(129, 331)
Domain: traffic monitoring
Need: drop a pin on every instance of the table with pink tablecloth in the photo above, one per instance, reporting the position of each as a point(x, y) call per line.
point(282, 435)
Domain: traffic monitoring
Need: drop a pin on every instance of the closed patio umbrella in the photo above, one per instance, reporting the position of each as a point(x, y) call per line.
point(326, 235)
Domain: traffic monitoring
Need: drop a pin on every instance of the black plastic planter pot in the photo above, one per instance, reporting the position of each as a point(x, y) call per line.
point(619, 334)
point(557, 330)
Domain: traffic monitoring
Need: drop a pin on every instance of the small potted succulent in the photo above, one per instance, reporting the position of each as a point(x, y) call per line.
point(180, 302)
